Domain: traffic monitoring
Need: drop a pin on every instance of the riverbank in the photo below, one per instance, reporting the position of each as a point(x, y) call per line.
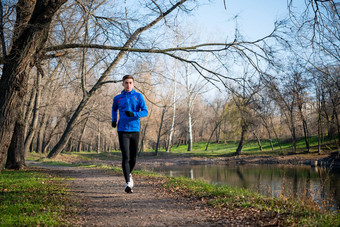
point(167, 201)
point(311, 159)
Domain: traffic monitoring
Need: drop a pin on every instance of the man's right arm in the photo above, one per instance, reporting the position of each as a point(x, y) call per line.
point(114, 110)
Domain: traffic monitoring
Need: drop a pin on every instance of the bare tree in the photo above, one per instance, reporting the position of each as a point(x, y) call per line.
point(194, 88)
point(172, 129)
point(103, 78)
point(317, 30)
point(287, 103)
point(243, 96)
point(219, 116)
point(30, 34)
point(264, 109)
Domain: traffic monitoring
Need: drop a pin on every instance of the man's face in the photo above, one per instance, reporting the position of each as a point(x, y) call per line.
point(128, 85)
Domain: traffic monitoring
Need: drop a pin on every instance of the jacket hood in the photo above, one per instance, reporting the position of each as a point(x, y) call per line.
point(127, 92)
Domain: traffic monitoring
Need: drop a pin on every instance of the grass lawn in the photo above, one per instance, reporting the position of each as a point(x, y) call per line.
point(214, 150)
point(249, 148)
point(33, 198)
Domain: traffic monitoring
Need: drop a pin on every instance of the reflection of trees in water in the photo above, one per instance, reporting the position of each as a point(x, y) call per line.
point(308, 184)
point(335, 185)
point(295, 184)
point(288, 181)
point(240, 175)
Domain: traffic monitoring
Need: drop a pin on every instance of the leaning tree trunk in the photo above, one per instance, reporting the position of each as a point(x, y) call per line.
point(212, 133)
point(30, 35)
point(57, 149)
point(243, 135)
point(47, 141)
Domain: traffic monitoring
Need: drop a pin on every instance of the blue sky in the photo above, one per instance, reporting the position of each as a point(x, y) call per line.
point(255, 17)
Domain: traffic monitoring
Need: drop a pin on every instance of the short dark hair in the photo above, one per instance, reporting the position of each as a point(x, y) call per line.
point(128, 77)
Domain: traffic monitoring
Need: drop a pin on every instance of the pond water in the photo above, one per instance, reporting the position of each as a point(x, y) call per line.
point(322, 185)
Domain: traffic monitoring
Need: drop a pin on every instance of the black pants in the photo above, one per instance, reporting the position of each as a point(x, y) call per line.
point(128, 142)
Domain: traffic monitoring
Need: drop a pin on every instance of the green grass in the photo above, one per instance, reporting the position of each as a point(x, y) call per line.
point(249, 148)
point(214, 150)
point(33, 198)
point(291, 212)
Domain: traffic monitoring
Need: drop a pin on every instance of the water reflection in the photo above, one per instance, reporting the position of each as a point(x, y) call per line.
point(319, 184)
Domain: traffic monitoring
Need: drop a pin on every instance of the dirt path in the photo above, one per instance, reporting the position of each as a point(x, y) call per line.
point(106, 204)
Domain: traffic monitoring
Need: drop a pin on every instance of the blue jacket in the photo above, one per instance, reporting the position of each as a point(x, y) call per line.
point(129, 101)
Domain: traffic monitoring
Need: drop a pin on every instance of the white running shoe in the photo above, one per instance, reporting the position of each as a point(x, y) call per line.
point(131, 180)
point(128, 187)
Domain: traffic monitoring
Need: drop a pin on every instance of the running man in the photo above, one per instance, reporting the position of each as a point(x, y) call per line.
point(131, 106)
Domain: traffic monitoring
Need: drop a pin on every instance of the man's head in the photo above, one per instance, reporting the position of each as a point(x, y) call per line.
point(128, 83)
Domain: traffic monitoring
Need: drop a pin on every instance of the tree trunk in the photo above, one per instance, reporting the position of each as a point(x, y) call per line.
point(168, 148)
point(265, 124)
point(160, 129)
point(258, 141)
point(45, 146)
point(41, 133)
point(189, 132)
point(306, 134)
point(293, 131)
point(98, 139)
point(305, 128)
point(31, 147)
point(81, 136)
point(36, 110)
point(28, 110)
point(243, 134)
point(16, 154)
point(141, 146)
point(30, 35)
point(293, 140)
point(47, 142)
point(319, 132)
point(276, 135)
point(212, 133)
point(337, 126)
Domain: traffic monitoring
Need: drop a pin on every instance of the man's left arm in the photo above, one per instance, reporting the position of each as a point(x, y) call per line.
point(143, 109)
